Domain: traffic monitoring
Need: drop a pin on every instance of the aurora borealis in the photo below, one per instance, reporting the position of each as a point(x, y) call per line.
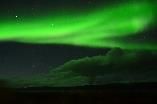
point(40, 36)
point(95, 28)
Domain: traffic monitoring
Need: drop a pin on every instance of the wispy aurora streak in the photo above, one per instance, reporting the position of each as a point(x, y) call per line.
point(93, 29)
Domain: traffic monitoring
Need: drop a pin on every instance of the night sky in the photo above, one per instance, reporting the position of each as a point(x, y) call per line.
point(24, 59)
point(27, 59)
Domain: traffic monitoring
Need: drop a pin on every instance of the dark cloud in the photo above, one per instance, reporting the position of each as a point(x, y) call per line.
point(116, 66)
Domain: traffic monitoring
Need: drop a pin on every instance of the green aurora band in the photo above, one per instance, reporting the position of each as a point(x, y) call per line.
point(96, 28)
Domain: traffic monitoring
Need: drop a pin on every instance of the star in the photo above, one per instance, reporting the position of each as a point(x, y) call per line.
point(16, 16)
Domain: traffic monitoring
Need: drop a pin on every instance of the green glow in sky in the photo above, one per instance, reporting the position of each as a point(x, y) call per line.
point(95, 28)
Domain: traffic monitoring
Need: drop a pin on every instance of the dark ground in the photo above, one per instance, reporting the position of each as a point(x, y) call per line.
point(108, 94)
